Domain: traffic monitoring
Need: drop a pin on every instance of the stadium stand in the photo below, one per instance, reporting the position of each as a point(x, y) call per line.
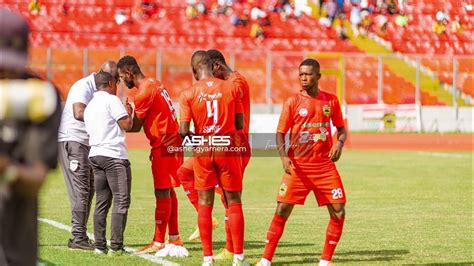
point(90, 24)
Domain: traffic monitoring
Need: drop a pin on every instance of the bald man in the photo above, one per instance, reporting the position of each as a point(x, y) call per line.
point(73, 155)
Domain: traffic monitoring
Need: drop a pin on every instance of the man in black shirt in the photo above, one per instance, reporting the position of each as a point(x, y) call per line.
point(29, 122)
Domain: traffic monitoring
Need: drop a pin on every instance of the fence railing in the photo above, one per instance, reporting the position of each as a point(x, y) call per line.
point(273, 76)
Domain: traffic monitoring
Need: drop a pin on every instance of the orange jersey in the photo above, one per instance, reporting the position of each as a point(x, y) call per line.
point(242, 85)
point(212, 104)
point(153, 104)
point(308, 120)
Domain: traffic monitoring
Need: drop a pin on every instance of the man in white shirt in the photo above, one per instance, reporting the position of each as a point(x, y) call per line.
point(106, 120)
point(73, 155)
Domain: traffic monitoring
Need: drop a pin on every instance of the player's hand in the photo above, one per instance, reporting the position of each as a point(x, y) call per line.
point(335, 152)
point(287, 165)
point(128, 107)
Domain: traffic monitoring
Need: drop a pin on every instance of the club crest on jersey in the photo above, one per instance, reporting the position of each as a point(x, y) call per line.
point(326, 110)
point(283, 189)
point(210, 83)
point(303, 112)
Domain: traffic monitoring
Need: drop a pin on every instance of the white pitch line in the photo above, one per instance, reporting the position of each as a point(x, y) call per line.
point(444, 155)
point(132, 251)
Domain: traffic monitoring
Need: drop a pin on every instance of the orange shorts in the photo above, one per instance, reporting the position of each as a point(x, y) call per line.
point(211, 169)
point(323, 180)
point(164, 169)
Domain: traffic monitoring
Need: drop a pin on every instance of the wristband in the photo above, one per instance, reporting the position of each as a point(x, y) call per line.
point(341, 141)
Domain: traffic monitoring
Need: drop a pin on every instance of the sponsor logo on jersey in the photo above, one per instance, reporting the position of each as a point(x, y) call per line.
point(303, 112)
point(314, 124)
point(209, 97)
point(326, 110)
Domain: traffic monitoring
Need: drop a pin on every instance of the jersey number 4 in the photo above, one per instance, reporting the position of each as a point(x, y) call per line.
point(212, 110)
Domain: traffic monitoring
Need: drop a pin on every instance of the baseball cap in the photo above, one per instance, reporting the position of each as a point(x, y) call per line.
point(14, 32)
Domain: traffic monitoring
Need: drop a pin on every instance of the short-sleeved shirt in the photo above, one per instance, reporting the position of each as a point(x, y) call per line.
point(72, 129)
point(101, 117)
point(212, 104)
point(243, 86)
point(154, 105)
point(309, 122)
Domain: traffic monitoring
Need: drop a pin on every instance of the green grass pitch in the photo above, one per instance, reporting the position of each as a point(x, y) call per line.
point(403, 208)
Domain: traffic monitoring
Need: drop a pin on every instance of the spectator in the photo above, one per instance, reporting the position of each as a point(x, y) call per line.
point(256, 31)
point(456, 26)
point(257, 13)
point(120, 17)
point(149, 8)
point(222, 7)
point(441, 22)
point(439, 27)
point(401, 20)
point(355, 19)
point(365, 23)
point(192, 12)
point(340, 27)
point(330, 6)
point(65, 8)
point(34, 7)
point(381, 23)
point(240, 18)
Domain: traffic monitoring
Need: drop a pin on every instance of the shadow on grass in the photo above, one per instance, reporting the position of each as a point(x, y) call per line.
point(196, 246)
point(358, 256)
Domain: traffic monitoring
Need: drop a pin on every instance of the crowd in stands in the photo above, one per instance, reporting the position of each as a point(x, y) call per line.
point(248, 12)
point(362, 16)
point(367, 16)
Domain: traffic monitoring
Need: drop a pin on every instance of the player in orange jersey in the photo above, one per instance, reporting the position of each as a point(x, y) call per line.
point(309, 164)
point(222, 71)
point(154, 112)
point(215, 107)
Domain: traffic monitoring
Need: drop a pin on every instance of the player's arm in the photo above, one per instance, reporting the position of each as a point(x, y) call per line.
point(78, 111)
point(137, 124)
point(336, 150)
point(185, 114)
point(283, 125)
point(338, 122)
point(239, 107)
point(184, 129)
point(239, 121)
point(79, 98)
point(143, 102)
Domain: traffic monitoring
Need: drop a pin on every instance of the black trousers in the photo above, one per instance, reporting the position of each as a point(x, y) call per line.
point(79, 180)
point(112, 183)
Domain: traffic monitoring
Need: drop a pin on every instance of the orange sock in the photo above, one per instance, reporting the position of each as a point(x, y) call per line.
point(228, 235)
point(162, 217)
point(273, 236)
point(205, 228)
point(173, 229)
point(229, 245)
point(237, 225)
point(333, 234)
